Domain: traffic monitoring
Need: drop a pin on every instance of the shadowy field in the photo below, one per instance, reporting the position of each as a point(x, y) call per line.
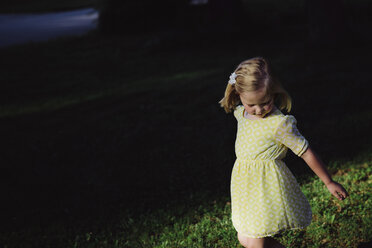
point(98, 130)
point(119, 141)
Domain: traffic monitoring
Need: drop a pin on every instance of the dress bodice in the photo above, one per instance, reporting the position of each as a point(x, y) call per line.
point(267, 138)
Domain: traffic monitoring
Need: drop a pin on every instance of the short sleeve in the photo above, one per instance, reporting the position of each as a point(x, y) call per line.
point(288, 134)
point(238, 112)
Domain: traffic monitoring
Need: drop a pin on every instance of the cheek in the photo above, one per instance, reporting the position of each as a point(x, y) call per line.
point(268, 107)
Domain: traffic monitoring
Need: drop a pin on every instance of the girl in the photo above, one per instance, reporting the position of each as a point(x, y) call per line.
point(265, 197)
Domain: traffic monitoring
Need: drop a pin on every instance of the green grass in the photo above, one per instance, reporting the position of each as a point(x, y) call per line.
point(205, 222)
point(335, 224)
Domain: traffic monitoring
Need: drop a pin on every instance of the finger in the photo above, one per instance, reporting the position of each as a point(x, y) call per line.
point(346, 194)
point(342, 195)
point(343, 192)
point(337, 195)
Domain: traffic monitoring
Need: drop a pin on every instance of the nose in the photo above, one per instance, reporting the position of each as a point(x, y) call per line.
point(258, 110)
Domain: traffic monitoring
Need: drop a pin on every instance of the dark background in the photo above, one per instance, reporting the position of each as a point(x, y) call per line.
point(127, 117)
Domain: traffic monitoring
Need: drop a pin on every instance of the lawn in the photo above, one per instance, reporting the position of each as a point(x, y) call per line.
point(120, 142)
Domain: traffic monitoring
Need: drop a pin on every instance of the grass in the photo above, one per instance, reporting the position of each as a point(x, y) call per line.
point(205, 222)
point(335, 224)
point(111, 141)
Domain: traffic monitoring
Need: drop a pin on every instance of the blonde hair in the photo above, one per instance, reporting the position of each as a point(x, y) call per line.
point(251, 75)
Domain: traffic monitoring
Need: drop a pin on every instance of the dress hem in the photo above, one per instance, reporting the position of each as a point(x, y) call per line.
point(270, 234)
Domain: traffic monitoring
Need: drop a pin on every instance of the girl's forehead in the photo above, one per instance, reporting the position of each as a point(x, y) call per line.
point(255, 97)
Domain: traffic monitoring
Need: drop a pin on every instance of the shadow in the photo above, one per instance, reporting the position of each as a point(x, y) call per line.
point(365, 245)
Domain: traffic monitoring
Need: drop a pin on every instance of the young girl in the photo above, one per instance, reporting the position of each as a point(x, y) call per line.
point(265, 197)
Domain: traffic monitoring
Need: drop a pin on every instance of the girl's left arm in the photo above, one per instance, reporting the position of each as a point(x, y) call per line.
point(316, 164)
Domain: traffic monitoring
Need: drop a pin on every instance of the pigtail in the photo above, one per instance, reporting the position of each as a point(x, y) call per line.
point(285, 101)
point(231, 98)
point(275, 88)
point(281, 96)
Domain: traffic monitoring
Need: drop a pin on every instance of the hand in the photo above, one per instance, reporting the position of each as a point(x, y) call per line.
point(337, 190)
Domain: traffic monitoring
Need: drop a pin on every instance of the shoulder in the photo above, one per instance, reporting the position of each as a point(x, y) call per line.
point(287, 123)
point(288, 120)
point(238, 111)
point(279, 120)
point(276, 118)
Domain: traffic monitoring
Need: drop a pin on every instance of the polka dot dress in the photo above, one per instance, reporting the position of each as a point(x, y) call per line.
point(265, 196)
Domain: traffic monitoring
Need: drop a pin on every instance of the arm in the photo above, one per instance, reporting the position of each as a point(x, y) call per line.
point(316, 164)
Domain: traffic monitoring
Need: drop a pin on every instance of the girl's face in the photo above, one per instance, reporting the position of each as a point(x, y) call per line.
point(257, 103)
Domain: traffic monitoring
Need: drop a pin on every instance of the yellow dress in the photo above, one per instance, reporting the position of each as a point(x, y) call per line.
point(265, 196)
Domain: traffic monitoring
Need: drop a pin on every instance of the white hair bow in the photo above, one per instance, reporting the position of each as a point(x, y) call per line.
point(232, 79)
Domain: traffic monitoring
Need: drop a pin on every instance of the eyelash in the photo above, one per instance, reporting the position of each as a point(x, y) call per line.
point(265, 103)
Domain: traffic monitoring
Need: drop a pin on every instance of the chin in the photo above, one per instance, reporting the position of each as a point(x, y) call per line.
point(262, 115)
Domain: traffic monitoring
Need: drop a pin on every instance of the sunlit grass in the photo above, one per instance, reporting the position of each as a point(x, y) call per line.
point(335, 223)
point(204, 221)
